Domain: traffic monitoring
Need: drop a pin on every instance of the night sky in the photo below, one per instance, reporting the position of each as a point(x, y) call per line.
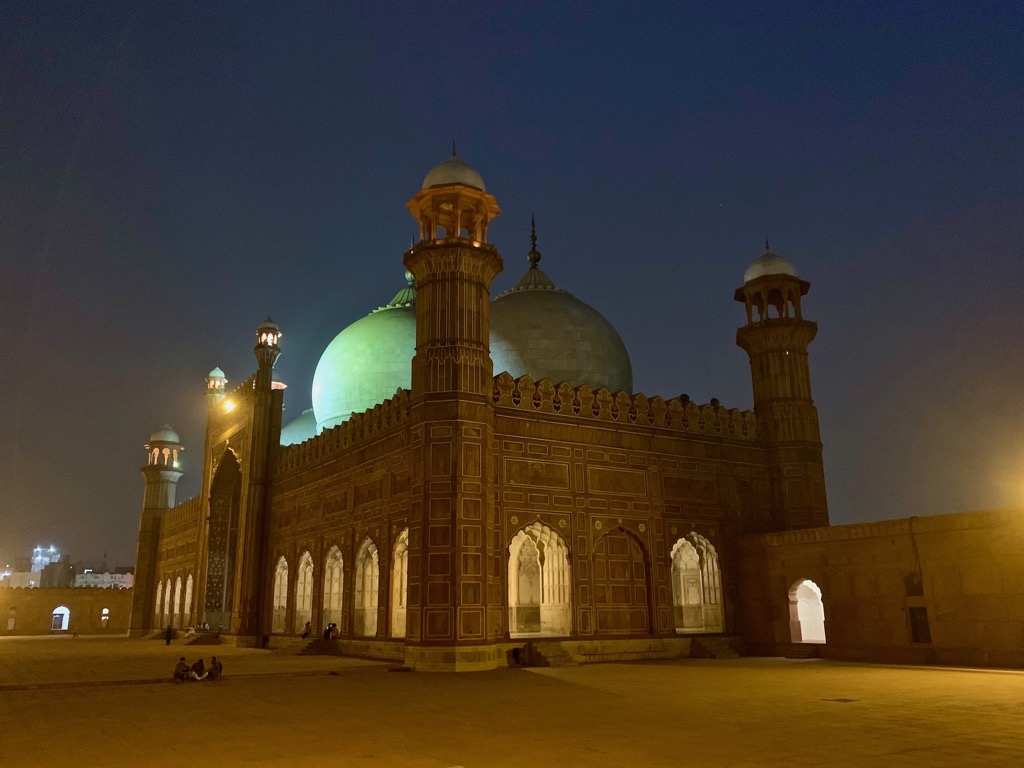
point(171, 175)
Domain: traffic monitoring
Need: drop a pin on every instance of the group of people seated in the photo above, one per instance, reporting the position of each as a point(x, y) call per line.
point(199, 670)
point(330, 631)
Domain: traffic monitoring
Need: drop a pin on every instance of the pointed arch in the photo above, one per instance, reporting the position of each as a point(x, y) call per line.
point(280, 606)
point(176, 610)
point(60, 618)
point(159, 604)
point(696, 585)
point(366, 589)
point(222, 542)
point(621, 584)
point(334, 575)
point(186, 611)
point(304, 592)
point(539, 583)
point(399, 583)
point(166, 618)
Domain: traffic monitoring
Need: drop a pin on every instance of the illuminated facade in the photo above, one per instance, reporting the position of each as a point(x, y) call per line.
point(478, 473)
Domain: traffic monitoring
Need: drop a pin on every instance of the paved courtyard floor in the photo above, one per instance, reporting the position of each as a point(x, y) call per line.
point(97, 702)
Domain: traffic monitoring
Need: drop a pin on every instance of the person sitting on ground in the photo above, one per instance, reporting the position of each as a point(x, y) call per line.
point(191, 632)
point(305, 632)
point(327, 632)
point(335, 634)
point(215, 668)
point(199, 670)
point(181, 669)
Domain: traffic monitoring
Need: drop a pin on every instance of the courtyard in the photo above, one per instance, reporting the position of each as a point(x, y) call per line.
point(108, 702)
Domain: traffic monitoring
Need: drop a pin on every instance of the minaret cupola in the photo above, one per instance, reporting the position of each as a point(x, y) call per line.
point(453, 203)
point(164, 449)
point(216, 386)
point(268, 339)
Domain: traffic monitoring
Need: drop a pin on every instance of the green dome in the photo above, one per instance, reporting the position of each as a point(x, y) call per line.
point(299, 429)
point(366, 363)
point(165, 435)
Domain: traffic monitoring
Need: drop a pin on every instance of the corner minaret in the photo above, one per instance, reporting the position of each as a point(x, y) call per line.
point(160, 475)
point(216, 387)
point(776, 338)
point(455, 615)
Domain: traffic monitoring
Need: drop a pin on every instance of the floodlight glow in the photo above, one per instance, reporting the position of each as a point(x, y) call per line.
point(229, 406)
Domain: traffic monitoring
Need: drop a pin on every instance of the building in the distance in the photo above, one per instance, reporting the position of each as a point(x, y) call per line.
point(477, 475)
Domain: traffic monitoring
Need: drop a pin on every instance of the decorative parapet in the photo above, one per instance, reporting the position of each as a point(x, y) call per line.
point(382, 418)
point(186, 510)
point(679, 414)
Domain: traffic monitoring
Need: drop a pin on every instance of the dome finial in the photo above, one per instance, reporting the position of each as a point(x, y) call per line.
point(454, 153)
point(766, 246)
point(534, 254)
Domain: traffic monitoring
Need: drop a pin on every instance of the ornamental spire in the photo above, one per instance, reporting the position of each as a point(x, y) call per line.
point(534, 254)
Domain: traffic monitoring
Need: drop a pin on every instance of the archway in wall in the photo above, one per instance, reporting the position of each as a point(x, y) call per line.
point(12, 619)
point(280, 608)
point(333, 584)
point(399, 583)
point(304, 592)
point(367, 584)
point(620, 585)
point(186, 609)
point(176, 613)
point(60, 619)
point(696, 585)
point(222, 542)
point(104, 618)
point(166, 618)
point(806, 613)
point(539, 584)
point(159, 604)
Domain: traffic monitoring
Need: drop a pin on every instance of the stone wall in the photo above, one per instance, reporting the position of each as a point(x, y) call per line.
point(947, 589)
point(32, 610)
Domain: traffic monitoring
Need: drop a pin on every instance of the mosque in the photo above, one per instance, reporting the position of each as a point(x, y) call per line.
point(478, 479)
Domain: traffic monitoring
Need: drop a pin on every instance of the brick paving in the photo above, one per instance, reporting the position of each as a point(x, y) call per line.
point(86, 702)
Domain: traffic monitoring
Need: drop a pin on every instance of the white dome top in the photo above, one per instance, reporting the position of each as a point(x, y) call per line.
point(453, 171)
point(165, 435)
point(547, 333)
point(768, 263)
point(366, 363)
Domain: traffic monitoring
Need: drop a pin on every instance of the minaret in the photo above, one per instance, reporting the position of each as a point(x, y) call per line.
point(776, 338)
point(266, 432)
point(455, 612)
point(160, 476)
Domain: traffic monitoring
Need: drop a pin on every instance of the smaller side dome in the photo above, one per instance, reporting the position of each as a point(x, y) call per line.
point(768, 263)
point(165, 435)
point(453, 171)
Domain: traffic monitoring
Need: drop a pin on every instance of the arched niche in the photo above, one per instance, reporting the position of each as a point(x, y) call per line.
point(621, 585)
point(366, 589)
point(696, 585)
point(60, 619)
point(539, 584)
point(304, 592)
point(222, 542)
point(334, 583)
point(280, 605)
point(399, 583)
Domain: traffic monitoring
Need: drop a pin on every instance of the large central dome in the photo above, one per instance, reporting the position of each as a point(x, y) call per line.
point(547, 333)
point(367, 362)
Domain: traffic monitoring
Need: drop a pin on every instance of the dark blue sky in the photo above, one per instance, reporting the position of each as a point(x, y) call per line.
point(169, 175)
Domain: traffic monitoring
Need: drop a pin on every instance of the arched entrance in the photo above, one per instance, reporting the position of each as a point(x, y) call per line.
point(12, 619)
point(333, 583)
point(399, 583)
point(60, 619)
point(696, 585)
point(304, 592)
point(176, 613)
point(225, 491)
point(539, 584)
point(806, 613)
point(280, 609)
point(620, 585)
point(187, 607)
point(367, 584)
